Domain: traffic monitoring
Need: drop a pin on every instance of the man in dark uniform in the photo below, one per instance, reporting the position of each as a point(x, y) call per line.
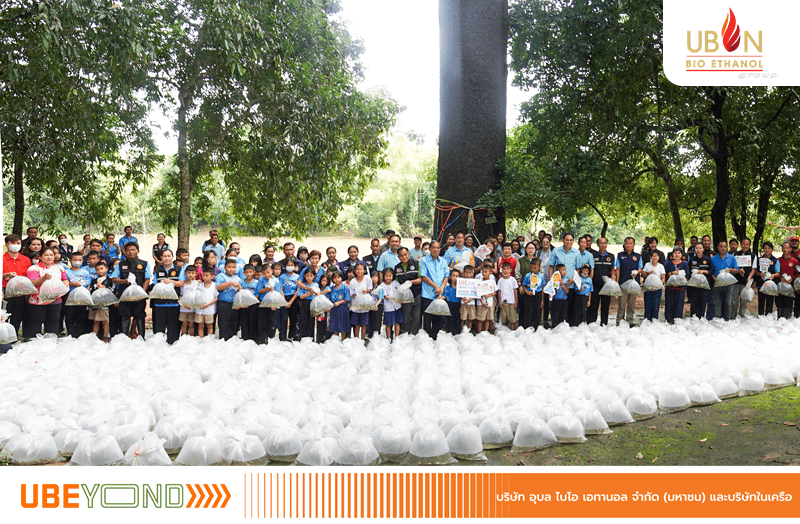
point(626, 265)
point(166, 312)
point(132, 265)
point(371, 260)
point(603, 267)
point(653, 246)
point(408, 269)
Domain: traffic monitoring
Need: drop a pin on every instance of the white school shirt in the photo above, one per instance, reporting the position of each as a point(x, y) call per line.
point(209, 293)
point(490, 297)
point(658, 268)
point(358, 288)
point(507, 287)
point(389, 305)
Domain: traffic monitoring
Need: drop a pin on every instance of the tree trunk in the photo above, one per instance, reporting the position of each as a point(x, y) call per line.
point(764, 194)
point(603, 218)
point(19, 194)
point(672, 194)
point(185, 207)
point(739, 221)
point(720, 210)
point(472, 104)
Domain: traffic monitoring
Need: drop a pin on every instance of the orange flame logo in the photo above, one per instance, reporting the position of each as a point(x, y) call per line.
point(730, 32)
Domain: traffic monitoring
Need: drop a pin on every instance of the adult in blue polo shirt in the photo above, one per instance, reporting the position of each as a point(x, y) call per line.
point(723, 295)
point(459, 253)
point(568, 256)
point(585, 256)
point(434, 272)
point(127, 237)
point(389, 258)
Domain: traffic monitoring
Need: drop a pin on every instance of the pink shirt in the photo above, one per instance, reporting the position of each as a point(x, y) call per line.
point(36, 271)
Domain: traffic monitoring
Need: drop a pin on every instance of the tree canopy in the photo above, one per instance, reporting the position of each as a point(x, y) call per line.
point(606, 131)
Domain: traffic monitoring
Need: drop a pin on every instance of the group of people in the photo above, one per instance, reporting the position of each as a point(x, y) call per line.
point(527, 284)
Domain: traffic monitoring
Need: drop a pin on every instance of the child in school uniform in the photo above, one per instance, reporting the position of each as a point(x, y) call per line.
point(392, 312)
point(228, 283)
point(558, 304)
point(248, 317)
point(468, 304)
point(507, 294)
point(322, 320)
point(287, 285)
point(76, 316)
point(361, 284)
point(186, 316)
point(376, 316)
point(532, 295)
point(340, 314)
point(583, 296)
point(266, 315)
point(484, 310)
point(205, 314)
point(305, 296)
point(99, 315)
point(454, 303)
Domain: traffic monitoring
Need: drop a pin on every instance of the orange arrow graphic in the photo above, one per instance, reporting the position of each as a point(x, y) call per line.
point(194, 496)
point(202, 495)
point(210, 496)
point(227, 496)
point(219, 496)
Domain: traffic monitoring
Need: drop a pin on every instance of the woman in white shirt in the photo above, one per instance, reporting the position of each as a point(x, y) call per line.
point(652, 299)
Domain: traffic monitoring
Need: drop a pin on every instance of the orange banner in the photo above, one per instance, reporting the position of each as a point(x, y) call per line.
point(520, 495)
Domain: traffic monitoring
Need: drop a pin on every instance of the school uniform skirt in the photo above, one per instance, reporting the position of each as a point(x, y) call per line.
point(339, 319)
point(359, 318)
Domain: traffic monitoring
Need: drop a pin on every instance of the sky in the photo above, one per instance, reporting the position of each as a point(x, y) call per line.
point(401, 42)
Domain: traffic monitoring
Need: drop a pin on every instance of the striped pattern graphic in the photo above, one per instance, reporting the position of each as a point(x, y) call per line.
point(374, 495)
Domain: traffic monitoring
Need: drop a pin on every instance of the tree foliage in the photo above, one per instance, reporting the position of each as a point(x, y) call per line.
point(267, 101)
point(606, 132)
point(73, 100)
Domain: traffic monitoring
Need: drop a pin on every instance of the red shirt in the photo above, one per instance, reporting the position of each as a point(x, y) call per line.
point(788, 266)
point(17, 265)
point(510, 260)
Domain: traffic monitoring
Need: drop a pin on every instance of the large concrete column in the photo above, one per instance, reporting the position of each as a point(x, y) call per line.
point(472, 100)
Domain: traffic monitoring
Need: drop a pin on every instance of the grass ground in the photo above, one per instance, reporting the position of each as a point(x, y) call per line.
point(757, 430)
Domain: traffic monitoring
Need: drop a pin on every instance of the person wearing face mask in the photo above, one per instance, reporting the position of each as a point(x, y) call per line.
point(232, 254)
point(14, 264)
point(64, 248)
point(76, 317)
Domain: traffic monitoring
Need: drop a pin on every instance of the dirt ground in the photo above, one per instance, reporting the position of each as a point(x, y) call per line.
point(757, 430)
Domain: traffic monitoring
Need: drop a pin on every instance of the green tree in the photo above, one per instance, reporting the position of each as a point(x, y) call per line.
point(72, 99)
point(265, 96)
point(605, 114)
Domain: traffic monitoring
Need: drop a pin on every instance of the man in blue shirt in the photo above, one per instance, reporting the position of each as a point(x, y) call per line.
point(206, 242)
point(110, 247)
point(216, 247)
point(389, 258)
point(567, 256)
point(722, 295)
point(434, 272)
point(127, 237)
